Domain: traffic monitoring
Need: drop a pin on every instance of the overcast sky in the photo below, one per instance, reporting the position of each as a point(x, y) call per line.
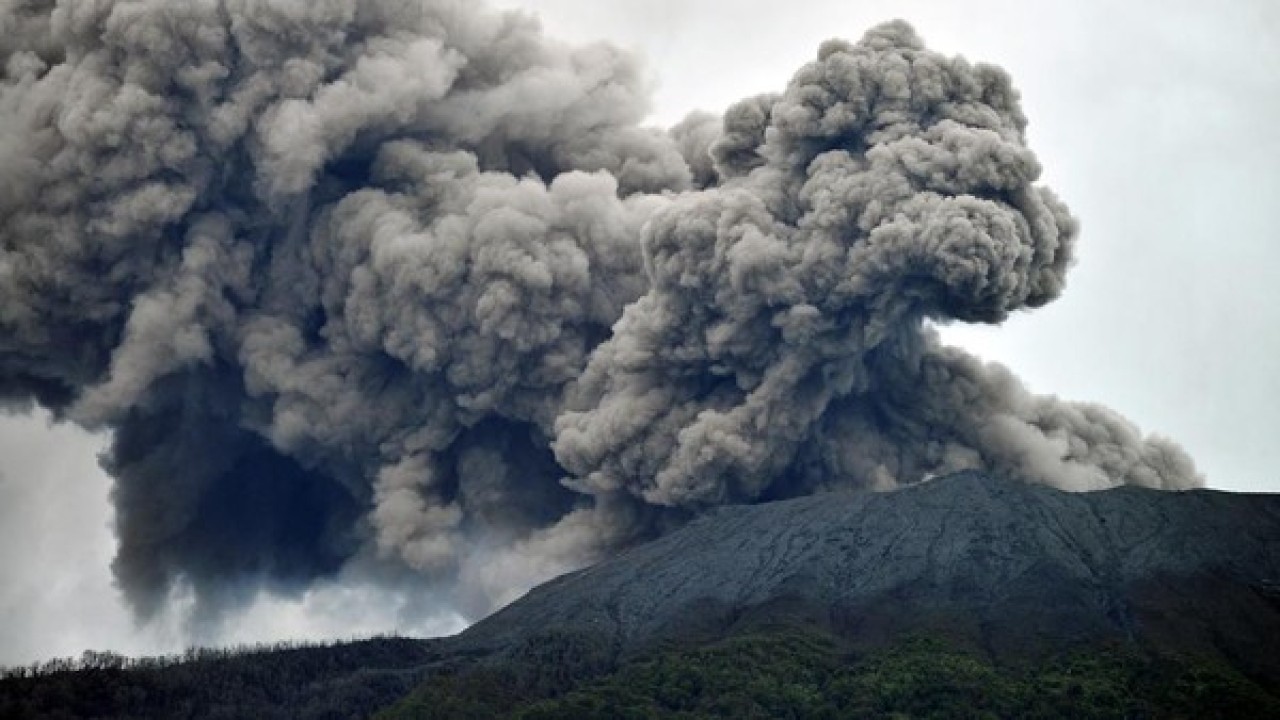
point(1155, 122)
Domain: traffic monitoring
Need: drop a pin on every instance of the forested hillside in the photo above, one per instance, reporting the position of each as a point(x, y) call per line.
point(340, 680)
point(800, 674)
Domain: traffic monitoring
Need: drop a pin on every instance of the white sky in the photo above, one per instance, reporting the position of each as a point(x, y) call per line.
point(1158, 123)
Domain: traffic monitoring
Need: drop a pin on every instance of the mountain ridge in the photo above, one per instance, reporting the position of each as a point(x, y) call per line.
point(1111, 563)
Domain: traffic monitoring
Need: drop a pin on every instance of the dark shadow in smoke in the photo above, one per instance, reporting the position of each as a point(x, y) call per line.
point(499, 472)
point(205, 502)
point(59, 362)
point(21, 392)
point(269, 516)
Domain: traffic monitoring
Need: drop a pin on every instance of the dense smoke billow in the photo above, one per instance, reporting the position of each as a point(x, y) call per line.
point(406, 283)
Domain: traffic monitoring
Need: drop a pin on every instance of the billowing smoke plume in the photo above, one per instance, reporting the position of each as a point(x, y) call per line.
point(405, 282)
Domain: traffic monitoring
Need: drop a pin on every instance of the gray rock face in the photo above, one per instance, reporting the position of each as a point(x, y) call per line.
point(1015, 568)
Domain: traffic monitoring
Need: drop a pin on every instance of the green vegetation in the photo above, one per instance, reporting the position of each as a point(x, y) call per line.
point(799, 675)
point(780, 673)
point(341, 680)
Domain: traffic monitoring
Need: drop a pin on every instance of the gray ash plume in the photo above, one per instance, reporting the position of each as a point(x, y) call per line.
point(406, 282)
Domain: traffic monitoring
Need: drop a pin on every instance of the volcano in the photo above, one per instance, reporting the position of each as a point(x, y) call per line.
point(1015, 570)
point(1006, 597)
point(964, 594)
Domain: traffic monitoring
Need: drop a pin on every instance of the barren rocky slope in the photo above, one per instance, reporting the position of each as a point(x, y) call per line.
point(1016, 570)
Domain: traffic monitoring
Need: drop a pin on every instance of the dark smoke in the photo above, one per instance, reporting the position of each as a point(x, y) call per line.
point(405, 282)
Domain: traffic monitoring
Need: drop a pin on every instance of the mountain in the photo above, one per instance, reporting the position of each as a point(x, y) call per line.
point(967, 591)
point(1016, 569)
point(963, 595)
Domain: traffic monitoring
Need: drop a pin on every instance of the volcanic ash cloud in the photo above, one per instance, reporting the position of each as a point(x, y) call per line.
point(406, 284)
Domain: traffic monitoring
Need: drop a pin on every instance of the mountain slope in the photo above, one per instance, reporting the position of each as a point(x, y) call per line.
point(1018, 570)
point(965, 596)
point(798, 674)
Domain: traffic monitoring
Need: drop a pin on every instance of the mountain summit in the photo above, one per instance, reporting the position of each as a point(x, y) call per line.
point(1017, 570)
